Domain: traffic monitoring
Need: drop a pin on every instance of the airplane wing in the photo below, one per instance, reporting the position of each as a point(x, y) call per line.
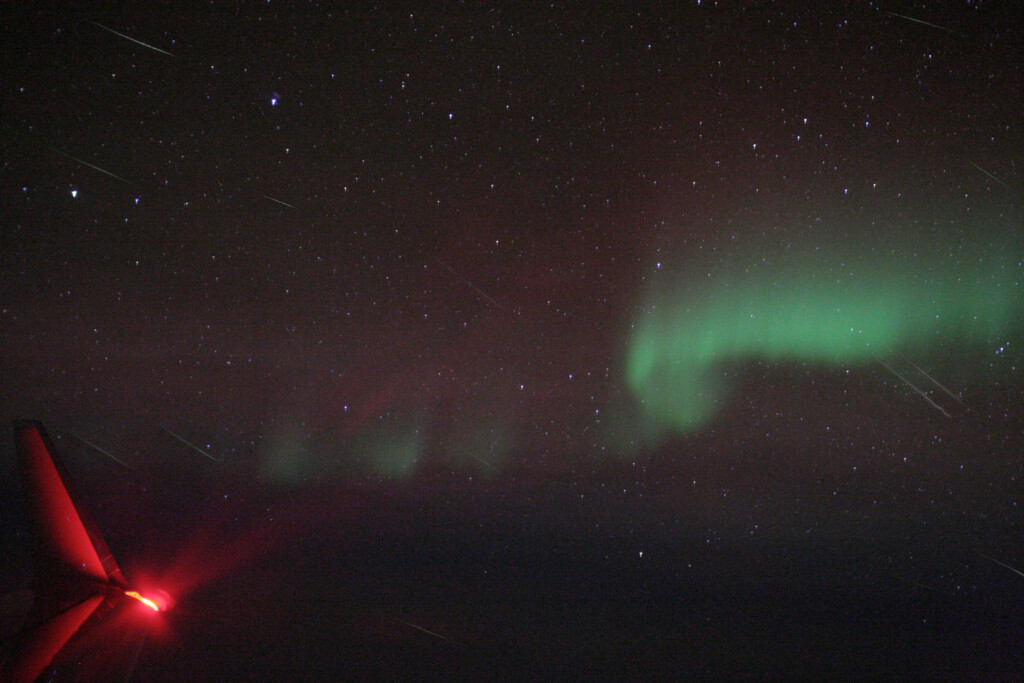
point(78, 587)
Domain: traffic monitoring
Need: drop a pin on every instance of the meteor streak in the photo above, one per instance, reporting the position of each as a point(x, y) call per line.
point(265, 196)
point(919, 21)
point(478, 290)
point(487, 463)
point(116, 33)
point(427, 631)
point(934, 381)
point(191, 445)
point(914, 387)
point(922, 585)
point(1001, 564)
point(92, 166)
point(104, 452)
point(990, 175)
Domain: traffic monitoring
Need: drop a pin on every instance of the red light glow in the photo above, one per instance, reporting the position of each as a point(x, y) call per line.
point(144, 600)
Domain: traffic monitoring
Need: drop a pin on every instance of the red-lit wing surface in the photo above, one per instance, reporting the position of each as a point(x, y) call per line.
point(76, 581)
point(68, 540)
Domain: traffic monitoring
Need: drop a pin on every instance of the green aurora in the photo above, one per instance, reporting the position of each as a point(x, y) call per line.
point(834, 303)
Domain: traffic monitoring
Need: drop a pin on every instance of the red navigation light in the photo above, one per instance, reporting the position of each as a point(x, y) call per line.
point(144, 600)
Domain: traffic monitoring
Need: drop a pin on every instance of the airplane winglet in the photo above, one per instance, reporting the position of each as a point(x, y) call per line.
point(69, 542)
point(76, 581)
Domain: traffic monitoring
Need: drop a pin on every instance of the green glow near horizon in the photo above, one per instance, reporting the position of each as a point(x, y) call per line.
point(847, 302)
point(391, 450)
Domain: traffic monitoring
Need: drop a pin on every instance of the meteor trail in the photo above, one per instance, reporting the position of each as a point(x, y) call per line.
point(116, 33)
point(104, 452)
point(478, 290)
point(934, 381)
point(265, 196)
point(990, 175)
point(1001, 564)
point(190, 445)
point(489, 464)
point(922, 585)
point(86, 163)
point(912, 386)
point(919, 21)
point(428, 632)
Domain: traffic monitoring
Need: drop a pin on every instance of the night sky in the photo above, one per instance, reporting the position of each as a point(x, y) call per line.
point(529, 341)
